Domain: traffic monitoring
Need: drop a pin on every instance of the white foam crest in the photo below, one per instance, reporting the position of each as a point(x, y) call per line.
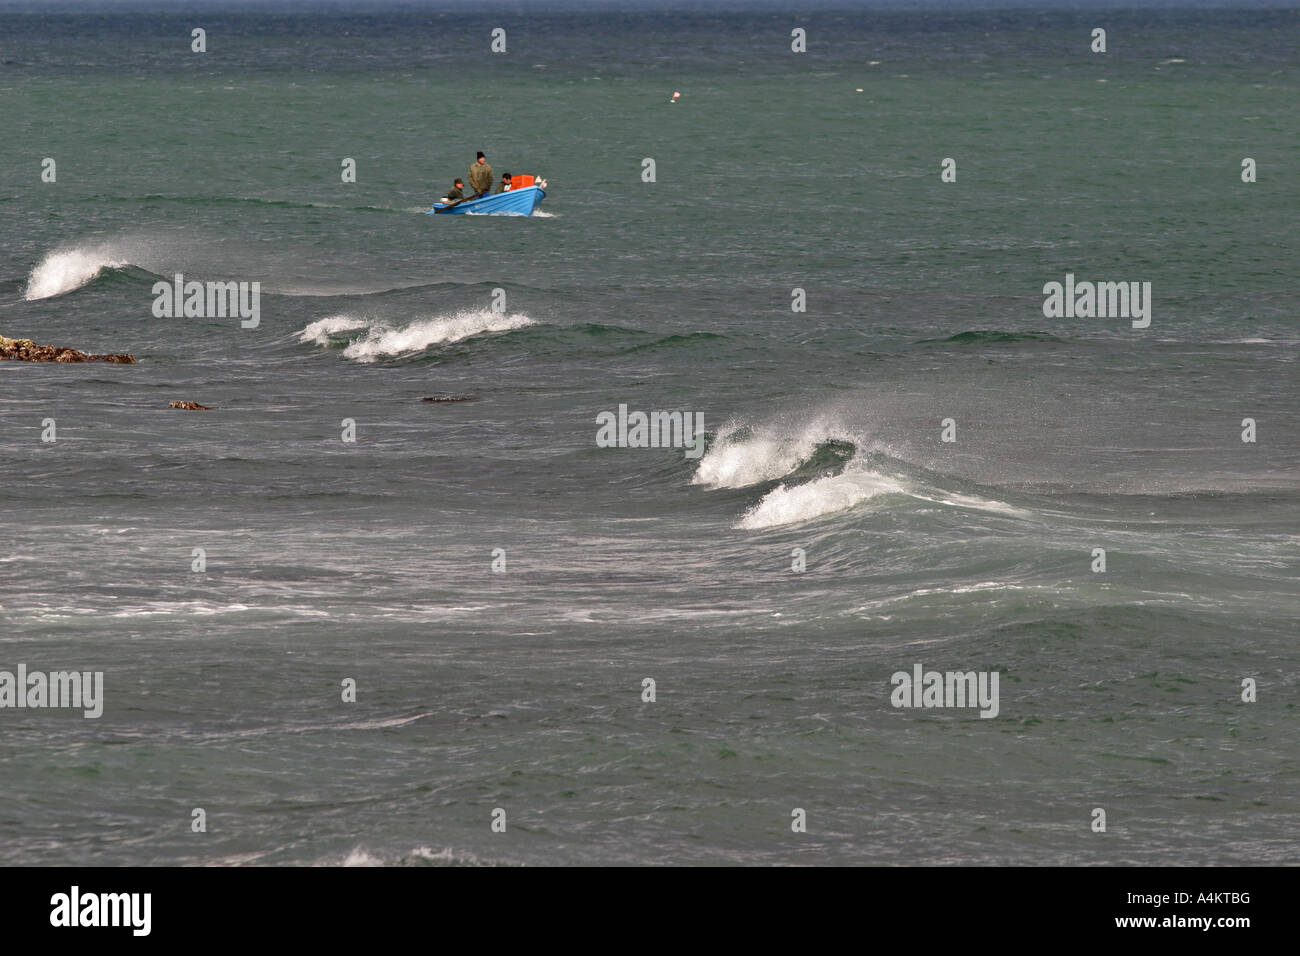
point(769, 453)
point(383, 342)
point(64, 270)
point(319, 332)
point(791, 505)
point(741, 456)
point(378, 339)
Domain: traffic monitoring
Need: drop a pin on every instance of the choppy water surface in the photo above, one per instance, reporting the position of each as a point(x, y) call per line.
point(372, 560)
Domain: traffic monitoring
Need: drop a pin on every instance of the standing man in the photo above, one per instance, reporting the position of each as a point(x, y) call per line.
point(480, 176)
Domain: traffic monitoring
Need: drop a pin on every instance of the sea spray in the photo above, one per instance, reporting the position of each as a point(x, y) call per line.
point(741, 455)
point(64, 270)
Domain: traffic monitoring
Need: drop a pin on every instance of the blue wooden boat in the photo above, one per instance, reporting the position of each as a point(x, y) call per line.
point(515, 202)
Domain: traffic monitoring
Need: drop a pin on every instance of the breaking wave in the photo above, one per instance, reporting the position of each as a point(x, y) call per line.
point(370, 340)
point(741, 455)
point(796, 503)
point(64, 270)
point(819, 468)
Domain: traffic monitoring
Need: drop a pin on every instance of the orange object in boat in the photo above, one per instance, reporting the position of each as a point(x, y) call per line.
point(520, 181)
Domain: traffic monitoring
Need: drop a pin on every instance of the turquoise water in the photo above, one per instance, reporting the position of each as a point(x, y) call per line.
point(522, 689)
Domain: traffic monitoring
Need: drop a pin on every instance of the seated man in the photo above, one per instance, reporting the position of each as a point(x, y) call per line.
point(504, 185)
point(456, 193)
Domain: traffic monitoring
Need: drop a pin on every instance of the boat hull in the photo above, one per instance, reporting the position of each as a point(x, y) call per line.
point(516, 202)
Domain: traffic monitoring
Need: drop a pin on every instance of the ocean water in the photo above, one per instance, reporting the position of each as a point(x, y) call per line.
point(522, 689)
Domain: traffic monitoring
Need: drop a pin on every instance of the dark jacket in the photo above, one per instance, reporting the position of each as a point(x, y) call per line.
point(455, 193)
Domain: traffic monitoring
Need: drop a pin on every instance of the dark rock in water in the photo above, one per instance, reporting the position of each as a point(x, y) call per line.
point(25, 350)
point(191, 406)
point(448, 398)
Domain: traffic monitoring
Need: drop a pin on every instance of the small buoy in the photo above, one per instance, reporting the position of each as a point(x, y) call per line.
point(675, 96)
point(859, 89)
